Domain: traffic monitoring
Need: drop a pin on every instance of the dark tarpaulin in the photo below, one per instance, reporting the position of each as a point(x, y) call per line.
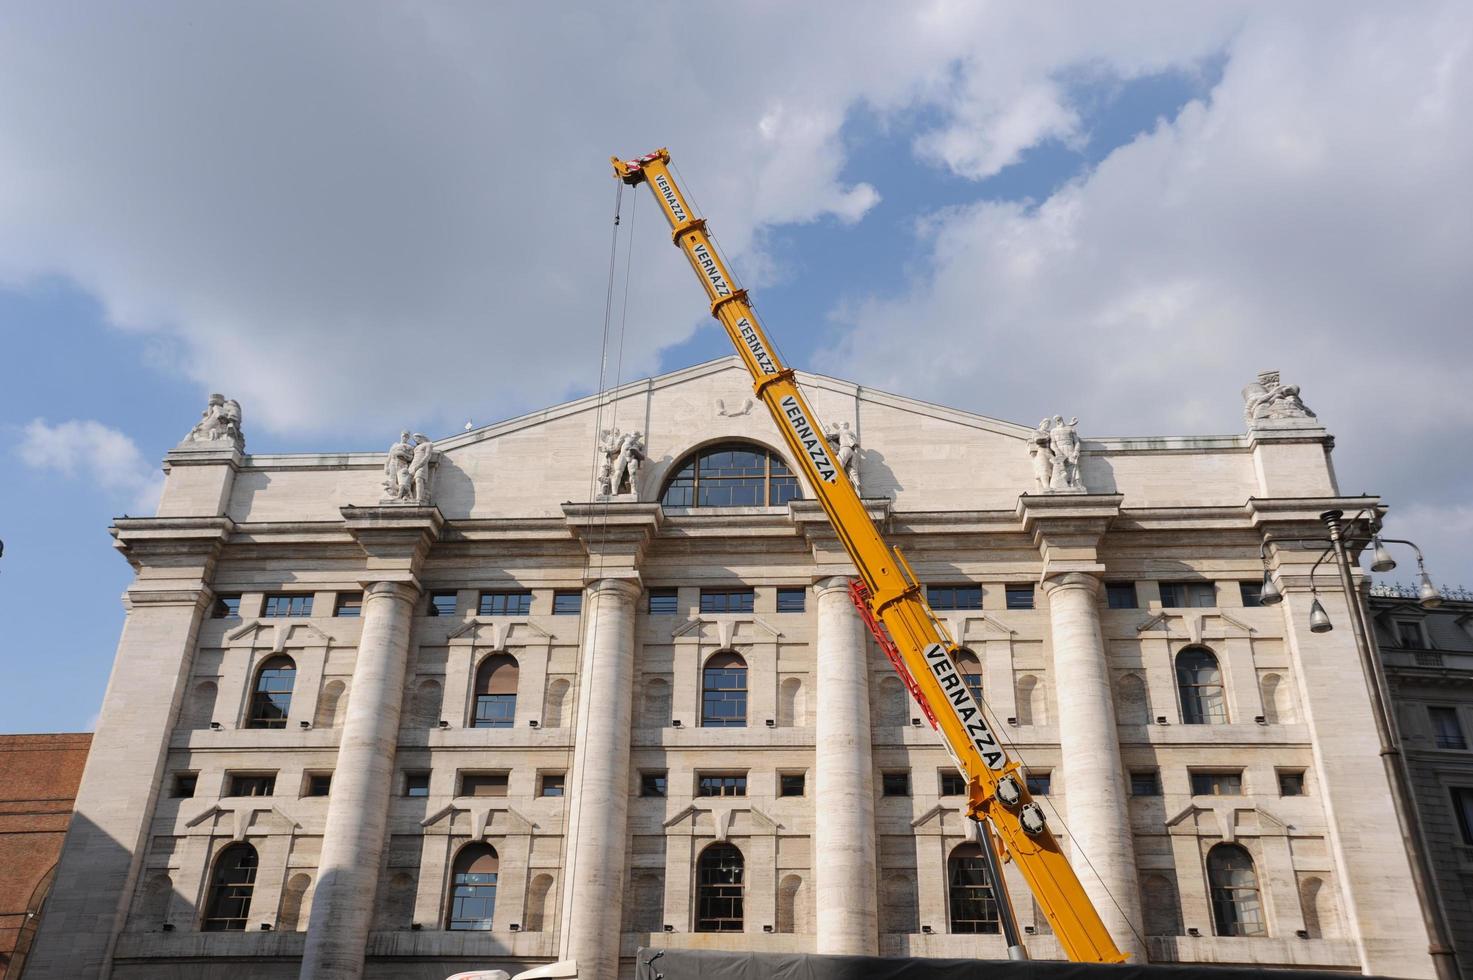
point(695, 964)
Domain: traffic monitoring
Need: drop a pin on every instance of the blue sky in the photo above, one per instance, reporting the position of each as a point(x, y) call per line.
point(357, 221)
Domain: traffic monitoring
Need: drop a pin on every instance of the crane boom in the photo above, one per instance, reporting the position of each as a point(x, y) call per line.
point(894, 598)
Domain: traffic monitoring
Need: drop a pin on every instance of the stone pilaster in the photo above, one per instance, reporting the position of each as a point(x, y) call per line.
point(108, 834)
point(844, 820)
point(1067, 531)
point(395, 540)
point(598, 791)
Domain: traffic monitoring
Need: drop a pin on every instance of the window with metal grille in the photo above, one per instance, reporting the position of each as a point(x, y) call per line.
point(286, 604)
point(724, 692)
point(791, 600)
point(1447, 729)
point(484, 783)
point(271, 700)
point(1039, 783)
point(944, 597)
point(663, 602)
point(1019, 596)
point(1145, 782)
point(727, 600)
point(652, 783)
point(473, 888)
point(1120, 595)
point(721, 784)
point(349, 605)
point(1237, 909)
point(508, 603)
point(731, 475)
point(251, 784)
point(1199, 684)
point(567, 603)
point(1188, 595)
point(790, 783)
point(441, 604)
point(1222, 783)
point(496, 692)
point(231, 887)
point(719, 875)
point(973, 902)
point(895, 783)
point(225, 607)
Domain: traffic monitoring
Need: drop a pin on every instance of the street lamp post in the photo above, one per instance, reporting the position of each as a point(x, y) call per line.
point(1444, 958)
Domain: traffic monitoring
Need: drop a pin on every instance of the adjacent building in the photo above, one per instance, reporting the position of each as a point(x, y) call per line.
point(591, 679)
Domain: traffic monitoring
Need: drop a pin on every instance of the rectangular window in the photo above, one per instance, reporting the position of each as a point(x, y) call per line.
point(1252, 592)
point(721, 784)
point(416, 784)
point(1020, 596)
point(1447, 730)
point(895, 783)
point(1217, 783)
point(252, 784)
point(790, 783)
point(1291, 782)
point(318, 784)
point(509, 603)
point(1463, 808)
point(791, 600)
point(663, 602)
point(953, 783)
point(652, 783)
point(284, 604)
point(567, 603)
point(184, 784)
point(349, 605)
point(1120, 595)
point(1409, 635)
point(441, 604)
point(726, 600)
point(954, 596)
point(551, 784)
point(484, 783)
point(1145, 782)
point(1188, 595)
point(225, 607)
point(1039, 783)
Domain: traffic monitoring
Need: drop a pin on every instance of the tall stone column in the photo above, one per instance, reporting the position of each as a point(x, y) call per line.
point(598, 797)
point(844, 818)
point(1103, 852)
point(358, 807)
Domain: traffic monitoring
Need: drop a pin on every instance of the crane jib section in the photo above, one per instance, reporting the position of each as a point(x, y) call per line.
point(890, 600)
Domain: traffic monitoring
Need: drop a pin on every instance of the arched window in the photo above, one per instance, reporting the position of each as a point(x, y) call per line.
point(473, 888)
point(789, 894)
point(719, 889)
point(970, 668)
point(496, 692)
point(534, 917)
point(973, 904)
point(1237, 909)
point(293, 903)
point(230, 889)
point(732, 474)
point(271, 700)
point(1317, 901)
point(1199, 682)
point(330, 705)
point(792, 708)
point(1278, 708)
point(724, 691)
point(557, 704)
point(1032, 709)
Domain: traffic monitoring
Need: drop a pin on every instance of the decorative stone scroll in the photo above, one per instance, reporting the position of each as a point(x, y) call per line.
point(217, 428)
point(1267, 400)
point(1055, 447)
point(409, 470)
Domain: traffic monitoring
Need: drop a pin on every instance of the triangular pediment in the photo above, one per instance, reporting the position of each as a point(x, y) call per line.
point(726, 631)
point(498, 634)
point(278, 635)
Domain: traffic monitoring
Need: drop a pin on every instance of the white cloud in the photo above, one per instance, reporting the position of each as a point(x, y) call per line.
point(85, 449)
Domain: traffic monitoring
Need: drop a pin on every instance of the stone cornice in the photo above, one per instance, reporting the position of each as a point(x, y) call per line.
point(1067, 529)
point(615, 534)
point(395, 538)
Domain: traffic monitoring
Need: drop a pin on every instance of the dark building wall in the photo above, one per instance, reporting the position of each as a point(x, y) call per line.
point(39, 775)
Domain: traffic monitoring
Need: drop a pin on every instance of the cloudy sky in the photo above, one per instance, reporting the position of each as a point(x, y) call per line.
point(355, 216)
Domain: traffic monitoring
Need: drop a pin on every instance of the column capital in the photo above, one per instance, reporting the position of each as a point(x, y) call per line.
point(831, 583)
point(396, 538)
point(1067, 529)
point(625, 588)
point(1071, 580)
point(614, 533)
point(408, 591)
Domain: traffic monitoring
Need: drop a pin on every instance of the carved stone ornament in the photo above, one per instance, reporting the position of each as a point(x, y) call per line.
point(846, 449)
point(1055, 447)
point(409, 470)
point(1267, 400)
point(619, 456)
point(218, 427)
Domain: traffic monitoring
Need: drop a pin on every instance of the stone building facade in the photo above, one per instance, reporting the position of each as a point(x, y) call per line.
point(38, 782)
point(459, 709)
point(1428, 654)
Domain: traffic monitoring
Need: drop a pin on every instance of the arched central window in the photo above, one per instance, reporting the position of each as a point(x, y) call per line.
point(496, 692)
point(724, 692)
point(973, 904)
point(970, 668)
point(230, 889)
point(1237, 909)
point(473, 888)
point(719, 889)
point(731, 474)
point(1199, 682)
point(271, 701)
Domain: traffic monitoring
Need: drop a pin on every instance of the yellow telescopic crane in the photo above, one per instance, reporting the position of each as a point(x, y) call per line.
point(891, 600)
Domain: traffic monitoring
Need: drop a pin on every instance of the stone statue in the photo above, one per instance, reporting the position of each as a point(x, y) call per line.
point(420, 473)
point(408, 470)
point(846, 450)
point(396, 470)
point(1064, 441)
point(1267, 399)
point(1043, 456)
point(218, 426)
point(723, 412)
point(624, 472)
point(608, 453)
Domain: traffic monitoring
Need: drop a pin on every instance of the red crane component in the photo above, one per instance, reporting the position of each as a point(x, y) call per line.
point(859, 594)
